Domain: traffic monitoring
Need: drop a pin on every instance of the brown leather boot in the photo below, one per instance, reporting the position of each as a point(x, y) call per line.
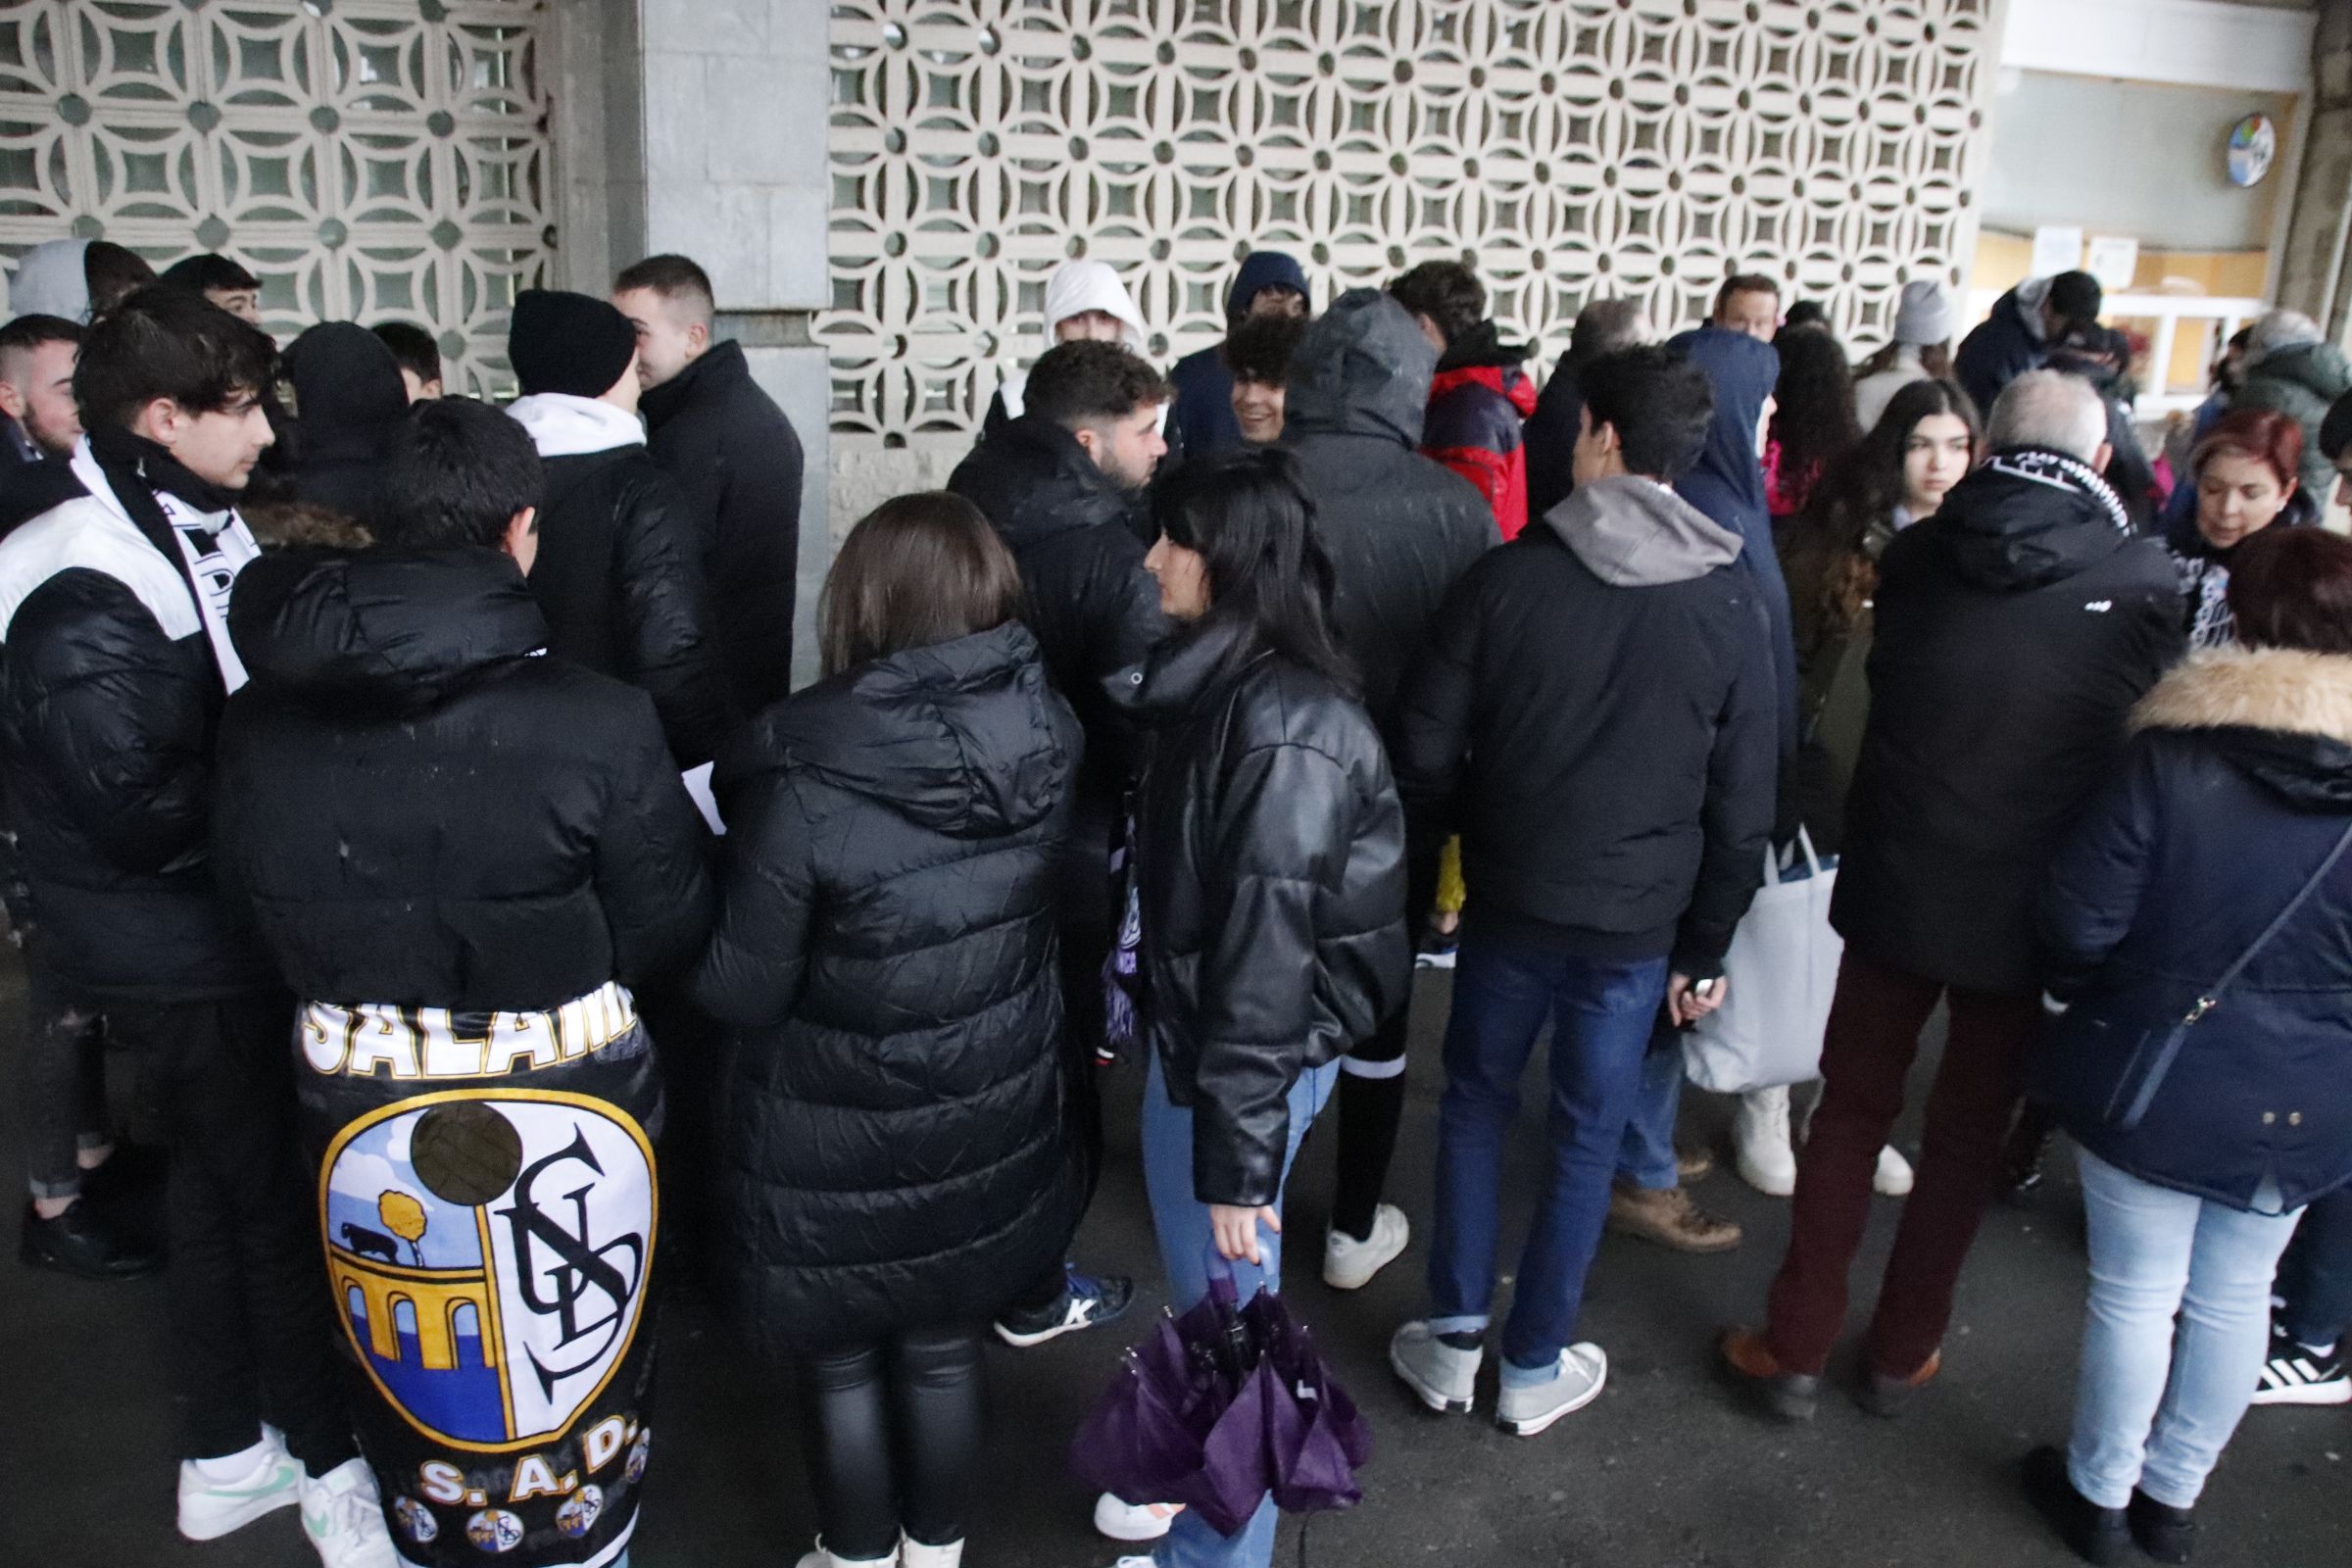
point(1669, 1218)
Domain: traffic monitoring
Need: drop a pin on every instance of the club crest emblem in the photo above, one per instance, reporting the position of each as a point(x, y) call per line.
point(495, 1530)
point(416, 1521)
point(580, 1511)
point(488, 1253)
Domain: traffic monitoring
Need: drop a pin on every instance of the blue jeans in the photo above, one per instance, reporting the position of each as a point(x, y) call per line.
point(1182, 1223)
point(1646, 1157)
point(2316, 1278)
point(1601, 1013)
point(2153, 1409)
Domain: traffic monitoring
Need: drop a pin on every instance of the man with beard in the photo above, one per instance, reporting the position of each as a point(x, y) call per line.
point(43, 422)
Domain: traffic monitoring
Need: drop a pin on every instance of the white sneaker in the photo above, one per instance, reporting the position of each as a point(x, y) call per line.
point(1134, 1521)
point(912, 1554)
point(1350, 1264)
point(1894, 1178)
point(1763, 1153)
point(1525, 1411)
point(343, 1514)
point(821, 1558)
point(266, 1479)
point(1441, 1377)
point(1134, 1562)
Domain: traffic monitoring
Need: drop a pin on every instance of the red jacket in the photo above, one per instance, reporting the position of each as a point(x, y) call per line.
point(1473, 429)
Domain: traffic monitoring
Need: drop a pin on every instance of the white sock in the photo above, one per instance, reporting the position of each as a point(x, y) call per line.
point(2320, 1352)
point(234, 1467)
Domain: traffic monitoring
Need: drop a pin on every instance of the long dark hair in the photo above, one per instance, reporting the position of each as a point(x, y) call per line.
point(1860, 491)
point(1248, 516)
point(917, 569)
point(1814, 422)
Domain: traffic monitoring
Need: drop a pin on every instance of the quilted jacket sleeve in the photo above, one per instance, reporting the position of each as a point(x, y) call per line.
point(1280, 850)
point(653, 858)
point(663, 616)
point(116, 719)
point(759, 955)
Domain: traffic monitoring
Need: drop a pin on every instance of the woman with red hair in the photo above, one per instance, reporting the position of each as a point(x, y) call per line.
point(2244, 475)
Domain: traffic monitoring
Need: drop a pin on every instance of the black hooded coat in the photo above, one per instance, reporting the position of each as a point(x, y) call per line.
point(1400, 529)
point(2012, 632)
point(897, 1148)
point(421, 812)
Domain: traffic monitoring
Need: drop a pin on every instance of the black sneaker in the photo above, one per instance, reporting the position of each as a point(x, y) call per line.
point(83, 1242)
point(1438, 948)
point(2097, 1535)
point(2164, 1532)
point(2295, 1374)
point(1086, 1303)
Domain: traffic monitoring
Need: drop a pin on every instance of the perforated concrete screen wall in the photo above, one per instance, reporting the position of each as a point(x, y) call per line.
point(367, 159)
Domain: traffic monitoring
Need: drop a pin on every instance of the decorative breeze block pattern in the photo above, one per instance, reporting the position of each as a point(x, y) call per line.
point(1570, 149)
point(366, 159)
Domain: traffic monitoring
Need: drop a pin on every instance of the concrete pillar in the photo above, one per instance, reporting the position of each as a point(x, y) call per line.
point(699, 127)
point(2315, 271)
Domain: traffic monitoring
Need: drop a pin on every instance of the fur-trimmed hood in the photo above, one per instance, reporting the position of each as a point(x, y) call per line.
point(2282, 715)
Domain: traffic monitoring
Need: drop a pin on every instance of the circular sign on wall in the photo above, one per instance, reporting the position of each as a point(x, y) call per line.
point(2253, 148)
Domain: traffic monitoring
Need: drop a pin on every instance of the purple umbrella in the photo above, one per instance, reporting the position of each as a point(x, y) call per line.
point(1218, 1407)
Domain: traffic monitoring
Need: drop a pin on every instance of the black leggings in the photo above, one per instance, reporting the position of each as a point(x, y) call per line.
point(894, 1435)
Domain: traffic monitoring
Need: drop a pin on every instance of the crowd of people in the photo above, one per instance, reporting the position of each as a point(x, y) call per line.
point(416, 785)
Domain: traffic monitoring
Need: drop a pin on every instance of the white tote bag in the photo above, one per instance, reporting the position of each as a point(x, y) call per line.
point(1782, 969)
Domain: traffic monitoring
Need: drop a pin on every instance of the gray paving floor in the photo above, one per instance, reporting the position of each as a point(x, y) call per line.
point(1662, 1472)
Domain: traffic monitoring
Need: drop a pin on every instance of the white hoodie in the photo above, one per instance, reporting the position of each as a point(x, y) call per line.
point(1072, 289)
point(50, 280)
point(561, 425)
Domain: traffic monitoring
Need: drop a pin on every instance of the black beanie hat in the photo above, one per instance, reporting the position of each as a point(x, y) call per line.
point(573, 343)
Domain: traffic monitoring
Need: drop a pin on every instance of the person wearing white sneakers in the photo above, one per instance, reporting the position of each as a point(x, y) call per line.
point(1764, 1139)
point(114, 614)
point(1614, 830)
point(1924, 443)
point(1270, 879)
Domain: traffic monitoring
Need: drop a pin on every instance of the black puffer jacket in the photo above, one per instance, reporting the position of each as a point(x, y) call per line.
point(1270, 850)
point(1597, 716)
point(896, 1151)
point(110, 705)
point(620, 581)
point(2012, 632)
point(725, 441)
point(422, 813)
point(2236, 790)
point(1093, 607)
point(1399, 529)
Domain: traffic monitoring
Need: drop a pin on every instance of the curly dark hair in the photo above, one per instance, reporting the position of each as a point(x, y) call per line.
point(1859, 490)
point(1447, 292)
point(1815, 423)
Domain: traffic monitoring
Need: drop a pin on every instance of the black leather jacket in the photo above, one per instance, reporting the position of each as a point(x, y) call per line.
point(1270, 853)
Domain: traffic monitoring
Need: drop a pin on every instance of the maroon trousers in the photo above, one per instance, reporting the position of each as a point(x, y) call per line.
point(1875, 1023)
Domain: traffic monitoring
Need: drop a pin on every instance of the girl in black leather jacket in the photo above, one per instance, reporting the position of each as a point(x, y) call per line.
point(1270, 867)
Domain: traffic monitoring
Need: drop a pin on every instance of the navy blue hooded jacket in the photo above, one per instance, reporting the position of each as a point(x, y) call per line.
point(2234, 792)
point(1200, 420)
point(1727, 485)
